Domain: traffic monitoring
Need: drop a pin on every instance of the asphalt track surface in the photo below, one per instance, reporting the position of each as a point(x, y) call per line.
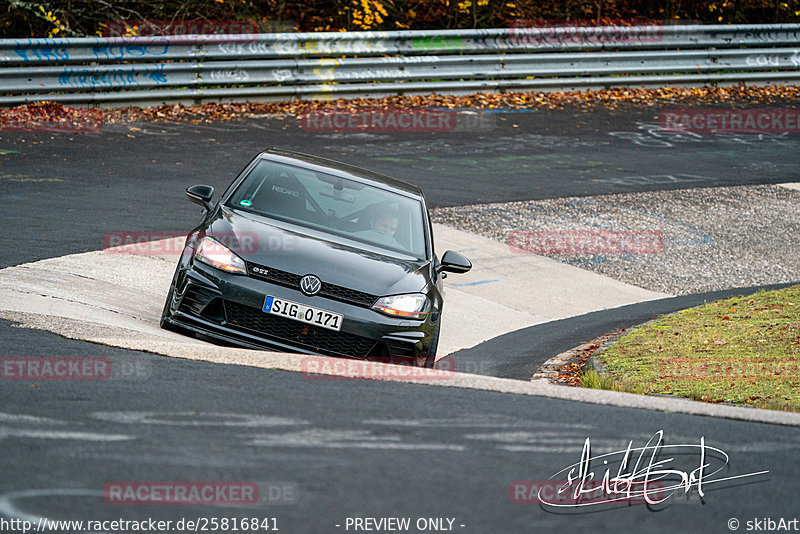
point(353, 448)
point(61, 193)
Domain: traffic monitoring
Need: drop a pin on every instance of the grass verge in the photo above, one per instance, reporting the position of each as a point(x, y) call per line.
point(739, 350)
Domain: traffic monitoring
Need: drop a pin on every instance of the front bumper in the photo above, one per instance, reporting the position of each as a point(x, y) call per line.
point(228, 308)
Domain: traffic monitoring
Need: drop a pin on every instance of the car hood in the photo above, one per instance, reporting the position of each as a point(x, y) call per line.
point(304, 251)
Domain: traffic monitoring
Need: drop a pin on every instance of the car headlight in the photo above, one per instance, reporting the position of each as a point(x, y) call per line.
point(413, 306)
point(214, 253)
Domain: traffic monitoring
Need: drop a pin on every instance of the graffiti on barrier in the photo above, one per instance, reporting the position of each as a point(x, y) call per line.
point(115, 77)
point(156, 47)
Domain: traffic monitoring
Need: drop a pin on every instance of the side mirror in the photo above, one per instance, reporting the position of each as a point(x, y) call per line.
point(454, 262)
point(201, 194)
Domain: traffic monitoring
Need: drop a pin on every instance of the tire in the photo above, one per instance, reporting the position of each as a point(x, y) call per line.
point(164, 323)
point(428, 360)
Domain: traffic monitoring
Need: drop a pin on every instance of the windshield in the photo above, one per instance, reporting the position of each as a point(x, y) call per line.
point(338, 205)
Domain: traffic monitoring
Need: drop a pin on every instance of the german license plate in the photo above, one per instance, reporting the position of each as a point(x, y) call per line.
point(303, 313)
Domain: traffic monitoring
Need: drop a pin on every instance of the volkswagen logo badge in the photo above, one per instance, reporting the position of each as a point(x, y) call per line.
point(310, 285)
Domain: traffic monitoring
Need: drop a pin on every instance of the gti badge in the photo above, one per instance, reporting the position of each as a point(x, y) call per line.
point(310, 285)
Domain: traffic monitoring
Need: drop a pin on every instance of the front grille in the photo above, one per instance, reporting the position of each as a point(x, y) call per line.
point(276, 276)
point(359, 298)
point(331, 291)
point(296, 333)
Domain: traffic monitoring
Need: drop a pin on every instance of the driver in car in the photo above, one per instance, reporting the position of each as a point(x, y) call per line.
point(385, 222)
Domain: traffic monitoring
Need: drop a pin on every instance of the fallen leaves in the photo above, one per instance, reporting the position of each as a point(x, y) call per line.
point(582, 100)
point(50, 116)
point(570, 373)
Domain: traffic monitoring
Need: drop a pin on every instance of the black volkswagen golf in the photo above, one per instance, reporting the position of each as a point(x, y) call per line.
point(309, 255)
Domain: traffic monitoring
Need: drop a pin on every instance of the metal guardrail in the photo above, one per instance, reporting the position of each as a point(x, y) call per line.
point(200, 68)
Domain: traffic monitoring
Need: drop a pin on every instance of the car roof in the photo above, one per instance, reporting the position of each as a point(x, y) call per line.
point(344, 170)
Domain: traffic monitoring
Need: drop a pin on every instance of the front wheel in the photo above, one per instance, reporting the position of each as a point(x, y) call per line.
point(165, 313)
point(428, 359)
point(166, 325)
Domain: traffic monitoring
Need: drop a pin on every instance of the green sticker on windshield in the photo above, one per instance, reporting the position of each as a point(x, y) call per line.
point(245, 202)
